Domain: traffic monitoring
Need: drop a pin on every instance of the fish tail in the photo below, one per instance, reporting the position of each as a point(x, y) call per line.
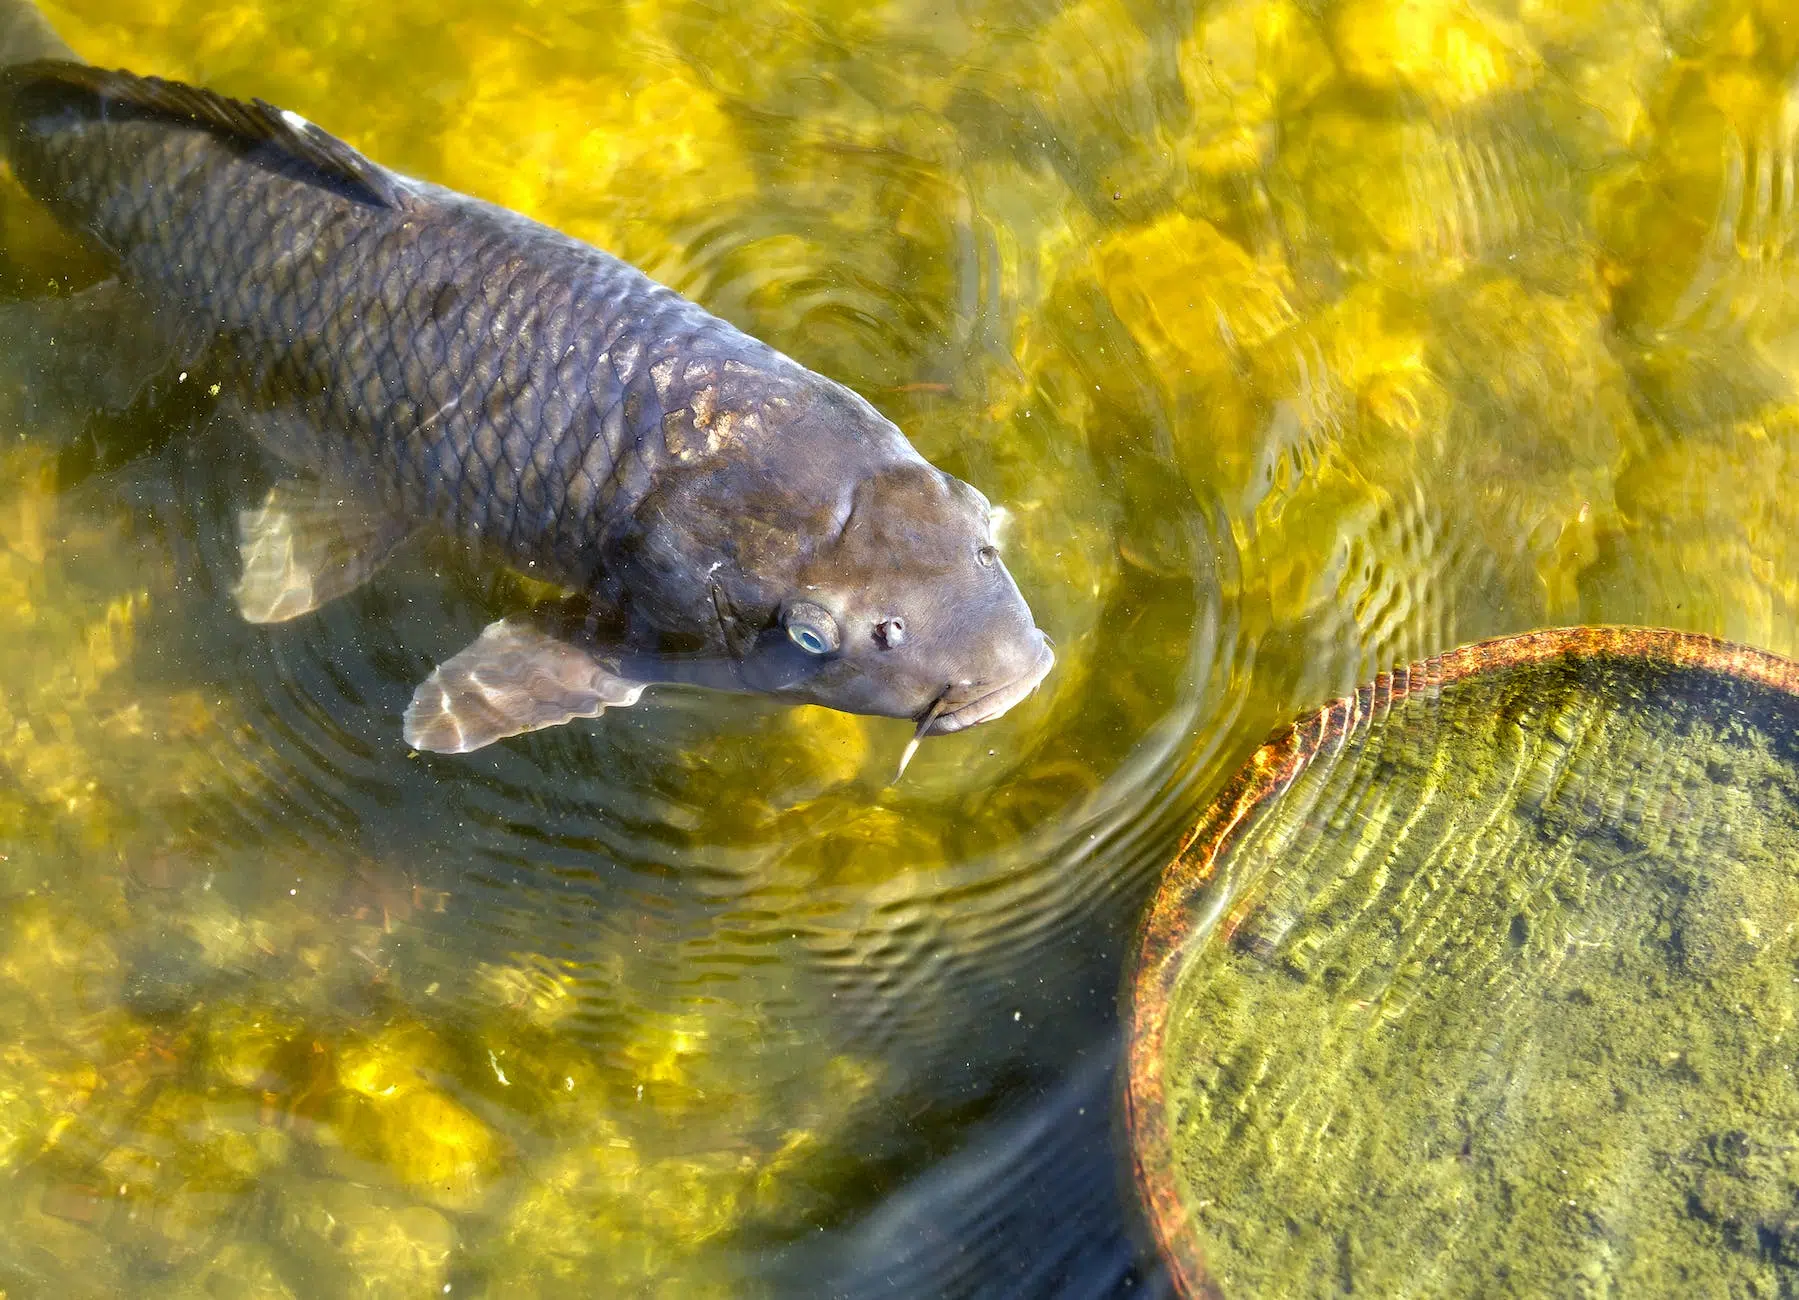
point(26, 35)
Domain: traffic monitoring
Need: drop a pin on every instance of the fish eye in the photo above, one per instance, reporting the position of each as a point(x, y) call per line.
point(987, 555)
point(811, 627)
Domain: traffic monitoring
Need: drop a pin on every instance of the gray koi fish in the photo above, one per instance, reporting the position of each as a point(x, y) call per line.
point(417, 358)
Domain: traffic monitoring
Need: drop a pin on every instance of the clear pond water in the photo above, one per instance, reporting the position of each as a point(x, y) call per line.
point(1298, 340)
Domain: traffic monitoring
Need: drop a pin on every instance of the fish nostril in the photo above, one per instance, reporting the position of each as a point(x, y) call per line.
point(890, 632)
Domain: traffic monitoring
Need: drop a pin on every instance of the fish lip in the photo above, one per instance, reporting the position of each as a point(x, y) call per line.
point(1000, 700)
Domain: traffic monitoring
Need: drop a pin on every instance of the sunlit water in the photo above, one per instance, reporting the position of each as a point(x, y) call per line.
point(1297, 341)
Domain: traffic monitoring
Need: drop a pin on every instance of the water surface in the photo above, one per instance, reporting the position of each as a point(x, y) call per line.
point(1298, 340)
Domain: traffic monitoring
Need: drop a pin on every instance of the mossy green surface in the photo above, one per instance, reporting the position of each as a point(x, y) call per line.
point(1504, 1002)
point(1295, 340)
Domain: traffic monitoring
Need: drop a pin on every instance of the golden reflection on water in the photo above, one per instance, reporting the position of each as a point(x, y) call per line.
point(1297, 340)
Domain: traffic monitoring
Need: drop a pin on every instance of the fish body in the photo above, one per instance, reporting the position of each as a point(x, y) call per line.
point(417, 357)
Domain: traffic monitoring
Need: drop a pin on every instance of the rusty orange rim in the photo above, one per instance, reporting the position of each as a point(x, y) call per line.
point(1273, 767)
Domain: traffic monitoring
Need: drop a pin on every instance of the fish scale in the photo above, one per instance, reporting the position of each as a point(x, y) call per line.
point(415, 356)
point(444, 288)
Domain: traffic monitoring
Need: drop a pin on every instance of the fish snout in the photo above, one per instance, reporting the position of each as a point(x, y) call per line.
point(1019, 669)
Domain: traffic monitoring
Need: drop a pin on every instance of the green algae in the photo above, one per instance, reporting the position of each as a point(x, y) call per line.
point(1503, 1002)
point(1297, 339)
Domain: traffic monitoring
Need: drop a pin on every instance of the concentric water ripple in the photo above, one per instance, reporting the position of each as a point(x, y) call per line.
point(1291, 347)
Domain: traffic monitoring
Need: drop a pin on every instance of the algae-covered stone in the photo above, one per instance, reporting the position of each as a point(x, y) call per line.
point(1247, 65)
point(165, 1174)
point(620, 159)
point(1382, 408)
point(365, 1244)
point(401, 1058)
point(1089, 87)
point(1543, 416)
point(825, 749)
point(1367, 187)
point(1485, 974)
point(799, 757)
point(39, 255)
point(529, 987)
point(1191, 294)
point(79, 738)
point(612, 1215)
point(212, 1144)
point(875, 845)
point(1194, 301)
point(395, 1112)
point(245, 1044)
point(583, 1224)
point(42, 1094)
point(240, 1270)
point(1700, 238)
point(55, 961)
point(1360, 368)
point(433, 1144)
point(669, 1119)
point(1705, 537)
point(1453, 52)
point(1603, 60)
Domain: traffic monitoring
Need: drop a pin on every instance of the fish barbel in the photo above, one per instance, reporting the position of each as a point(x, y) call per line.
point(416, 358)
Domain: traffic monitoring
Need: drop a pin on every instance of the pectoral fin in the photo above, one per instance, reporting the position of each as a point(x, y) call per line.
point(512, 679)
point(303, 547)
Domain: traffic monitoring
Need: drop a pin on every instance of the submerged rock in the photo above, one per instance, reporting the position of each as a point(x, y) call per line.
point(359, 1242)
point(1484, 973)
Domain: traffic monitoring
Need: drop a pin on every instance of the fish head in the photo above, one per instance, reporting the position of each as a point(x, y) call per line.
point(814, 556)
point(904, 610)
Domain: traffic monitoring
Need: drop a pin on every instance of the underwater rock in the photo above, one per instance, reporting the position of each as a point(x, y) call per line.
point(572, 140)
point(1248, 66)
point(1702, 235)
point(1705, 535)
point(392, 1112)
point(530, 988)
point(362, 1244)
point(240, 1269)
point(1191, 295)
point(1534, 895)
point(1195, 301)
point(1361, 188)
point(578, 1227)
point(1451, 52)
point(1089, 88)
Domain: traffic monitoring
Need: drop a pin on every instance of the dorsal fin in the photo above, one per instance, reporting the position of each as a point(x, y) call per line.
point(25, 34)
point(31, 90)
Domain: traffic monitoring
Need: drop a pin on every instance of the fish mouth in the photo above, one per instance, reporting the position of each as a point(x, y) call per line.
point(985, 708)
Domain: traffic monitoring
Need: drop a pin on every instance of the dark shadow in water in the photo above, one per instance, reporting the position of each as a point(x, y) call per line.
point(1033, 1205)
point(989, 1166)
